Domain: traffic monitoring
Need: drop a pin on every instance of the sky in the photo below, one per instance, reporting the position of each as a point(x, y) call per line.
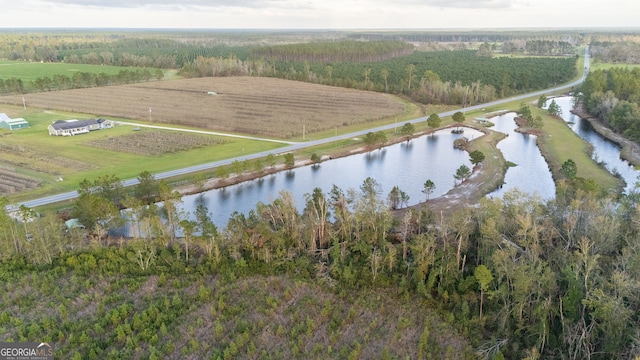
point(319, 14)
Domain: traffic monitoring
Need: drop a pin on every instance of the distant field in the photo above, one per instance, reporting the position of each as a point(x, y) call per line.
point(267, 107)
point(596, 65)
point(28, 71)
point(261, 106)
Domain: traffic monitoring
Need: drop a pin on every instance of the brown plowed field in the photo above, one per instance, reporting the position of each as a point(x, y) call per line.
point(249, 105)
point(12, 182)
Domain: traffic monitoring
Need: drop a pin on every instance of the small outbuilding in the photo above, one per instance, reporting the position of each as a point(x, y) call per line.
point(12, 124)
point(73, 224)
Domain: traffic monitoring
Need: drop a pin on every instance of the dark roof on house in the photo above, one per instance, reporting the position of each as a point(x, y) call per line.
point(68, 125)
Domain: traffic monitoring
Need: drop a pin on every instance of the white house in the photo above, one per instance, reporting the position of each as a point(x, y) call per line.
point(76, 127)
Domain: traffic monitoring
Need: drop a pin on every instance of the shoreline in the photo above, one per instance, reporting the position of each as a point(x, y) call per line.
point(468, 193)
point(480, 183)
point(484, 179)
point(629, 151)
point(217, 183)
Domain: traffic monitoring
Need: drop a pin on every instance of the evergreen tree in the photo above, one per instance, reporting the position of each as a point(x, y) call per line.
point(462, 173)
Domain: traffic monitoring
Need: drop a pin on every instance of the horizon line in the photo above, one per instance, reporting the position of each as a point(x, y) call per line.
point(499, 29)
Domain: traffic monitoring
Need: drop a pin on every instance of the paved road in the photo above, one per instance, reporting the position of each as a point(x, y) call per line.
point(296, 146)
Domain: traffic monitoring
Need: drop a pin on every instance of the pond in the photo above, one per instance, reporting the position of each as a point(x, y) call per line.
point(406, 165)
point(604, 150)
point(531, 173)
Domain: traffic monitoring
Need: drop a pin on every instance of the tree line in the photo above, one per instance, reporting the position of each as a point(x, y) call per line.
point(445, 77)
point(440, 77)
point(613, 96)
point(621, 52)
point(79, 80)
point(521, 277)
point(462, 39)
point(330, 52)
point(548, 47)
point(169, 51)
point(438, 72)
point(52, 46)
point(35, 46)
point(173, 56)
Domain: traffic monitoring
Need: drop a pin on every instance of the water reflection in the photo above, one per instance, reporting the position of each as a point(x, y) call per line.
point(406, 165)
point(375, 156)
point(531, 173)
point(604, 151)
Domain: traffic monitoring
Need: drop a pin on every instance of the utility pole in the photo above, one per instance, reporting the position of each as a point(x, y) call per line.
point(24, 103)
point(150, 115)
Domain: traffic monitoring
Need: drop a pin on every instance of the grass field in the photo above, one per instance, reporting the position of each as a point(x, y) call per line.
point(29, 71)
point(73, 159)
point(559, 144)
point(596, 65)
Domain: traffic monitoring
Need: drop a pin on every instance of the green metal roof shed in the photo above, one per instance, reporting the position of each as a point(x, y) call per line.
point(12, 124)
point(74, 224)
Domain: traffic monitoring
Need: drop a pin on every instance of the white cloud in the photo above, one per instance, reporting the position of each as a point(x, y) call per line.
point(317, 13)
point(213, 4)
point(464, 4)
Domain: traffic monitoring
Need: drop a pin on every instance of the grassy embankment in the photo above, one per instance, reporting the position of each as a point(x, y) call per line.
point(345, 146)
point(559, 143)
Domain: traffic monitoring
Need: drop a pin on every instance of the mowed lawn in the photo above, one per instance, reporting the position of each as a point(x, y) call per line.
point(560, 144)
point(49, 158)
point(29, 71)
